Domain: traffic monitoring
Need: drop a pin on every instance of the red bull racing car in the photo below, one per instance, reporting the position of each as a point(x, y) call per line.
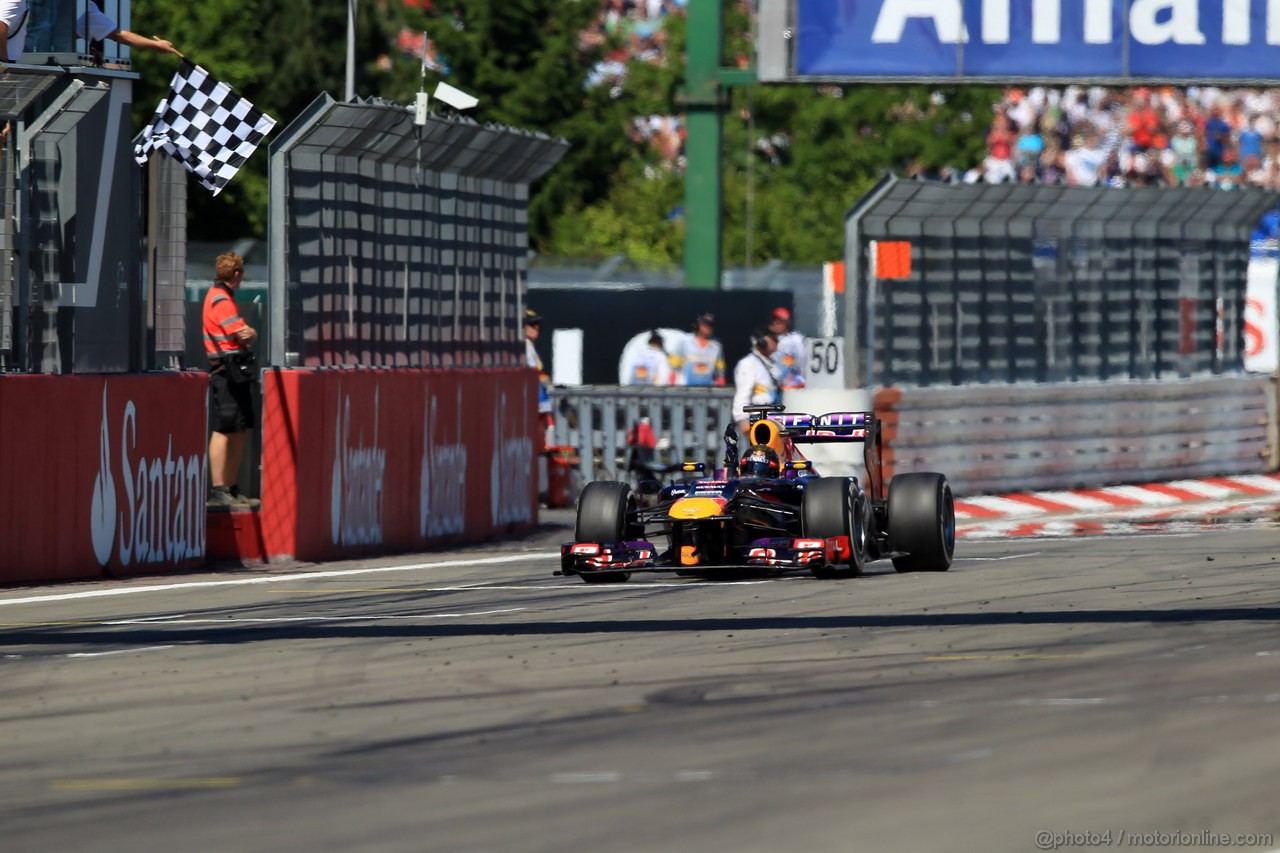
point(767, 512)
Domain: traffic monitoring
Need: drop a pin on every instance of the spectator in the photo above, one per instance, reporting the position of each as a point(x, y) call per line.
point(699, 360)
point(1217, 134)
point(1255, 175)
point(1228, 174)
point(1052, 170)
point(755, 378)
point(1084, 161)
point(532, 330)
point(1000, 140)
point(1030, 147)
point(1249, 142)
point(1186, 152)
point(650, 366)
point(790, 354)
point(1144, 124)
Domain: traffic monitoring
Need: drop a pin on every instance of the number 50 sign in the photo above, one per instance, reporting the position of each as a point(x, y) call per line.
point(824, 363)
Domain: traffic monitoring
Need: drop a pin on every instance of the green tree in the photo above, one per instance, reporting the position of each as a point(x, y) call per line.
point(525, 61)
point(839, 141)
point(528, 64)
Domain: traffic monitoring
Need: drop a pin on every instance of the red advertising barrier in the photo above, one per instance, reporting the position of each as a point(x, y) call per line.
point(371, 461)
point(102, 475)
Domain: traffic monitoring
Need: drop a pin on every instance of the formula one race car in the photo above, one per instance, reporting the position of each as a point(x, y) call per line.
point(767, 512)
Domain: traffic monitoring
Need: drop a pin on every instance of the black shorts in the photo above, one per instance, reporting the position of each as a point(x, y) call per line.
point(231, 405)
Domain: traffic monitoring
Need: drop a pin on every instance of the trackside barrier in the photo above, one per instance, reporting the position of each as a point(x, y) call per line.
point(367, 461)
point(990, 439)
point(687, 424)
point(102, 475)
point(1273, 423)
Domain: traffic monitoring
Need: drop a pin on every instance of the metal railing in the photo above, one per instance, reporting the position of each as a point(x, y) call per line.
point(687, 423)
point(53, 38)
point(72, 280)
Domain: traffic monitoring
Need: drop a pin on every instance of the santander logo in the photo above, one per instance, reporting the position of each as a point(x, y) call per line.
point(442, 484)
point(359, 471)
point(162, 519)
point(511, 476)
point(102, 514)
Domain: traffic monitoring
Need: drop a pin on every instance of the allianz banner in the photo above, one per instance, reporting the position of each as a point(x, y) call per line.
point(1171, 40)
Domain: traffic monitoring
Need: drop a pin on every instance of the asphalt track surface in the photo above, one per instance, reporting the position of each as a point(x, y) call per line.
point(473, 702)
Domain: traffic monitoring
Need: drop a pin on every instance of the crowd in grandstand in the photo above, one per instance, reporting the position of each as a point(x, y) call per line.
point(635, 31)
point(1075, 135)
point(1193, 137)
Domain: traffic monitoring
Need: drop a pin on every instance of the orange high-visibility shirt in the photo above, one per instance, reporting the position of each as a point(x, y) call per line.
point(221, 321)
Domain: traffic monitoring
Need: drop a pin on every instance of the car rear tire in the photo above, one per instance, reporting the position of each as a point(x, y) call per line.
point(834, 506)
point(922, 522)
point(602, 517)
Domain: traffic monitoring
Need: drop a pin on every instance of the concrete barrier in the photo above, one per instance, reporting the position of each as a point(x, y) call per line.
point(989, 438)
point(102, 475)
point(371, 461)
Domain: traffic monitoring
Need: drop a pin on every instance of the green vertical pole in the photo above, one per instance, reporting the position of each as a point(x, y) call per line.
point(703, 190)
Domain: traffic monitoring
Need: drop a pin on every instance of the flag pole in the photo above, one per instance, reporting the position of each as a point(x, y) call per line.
point(351, 50)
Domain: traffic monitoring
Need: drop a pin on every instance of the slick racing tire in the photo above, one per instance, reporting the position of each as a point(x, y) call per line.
point(834, 506)
point(602, 517)
point(922, 522)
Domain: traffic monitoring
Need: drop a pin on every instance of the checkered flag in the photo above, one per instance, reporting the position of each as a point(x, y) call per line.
point(205, 125)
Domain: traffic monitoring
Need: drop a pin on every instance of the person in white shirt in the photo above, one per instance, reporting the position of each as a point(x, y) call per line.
point(14, 17)
point(1084, 163)
point(94, 25)
point(790, 354)
point(532, 330)
point(755, 378)
point(699, 360)
point(649, 366)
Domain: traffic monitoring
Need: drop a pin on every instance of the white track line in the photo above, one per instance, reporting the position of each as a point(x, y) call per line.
point(996, 559)
point(269, 579)
point(268, 620)
point(116, 652)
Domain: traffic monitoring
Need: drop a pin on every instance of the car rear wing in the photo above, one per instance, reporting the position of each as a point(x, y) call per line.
point(831, 427)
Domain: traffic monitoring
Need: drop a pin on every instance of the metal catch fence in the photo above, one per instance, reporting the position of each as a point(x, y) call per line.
point(1022, 283)
point(395, 244)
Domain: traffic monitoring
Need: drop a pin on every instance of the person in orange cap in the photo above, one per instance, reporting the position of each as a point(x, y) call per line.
point(790, 354)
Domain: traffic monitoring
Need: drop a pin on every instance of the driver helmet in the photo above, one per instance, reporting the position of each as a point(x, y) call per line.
point(760, 461)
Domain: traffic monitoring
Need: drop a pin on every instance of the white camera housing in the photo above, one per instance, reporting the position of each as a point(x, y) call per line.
point(455, 97)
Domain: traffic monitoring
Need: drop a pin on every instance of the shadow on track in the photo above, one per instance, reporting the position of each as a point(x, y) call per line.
point(157, 633)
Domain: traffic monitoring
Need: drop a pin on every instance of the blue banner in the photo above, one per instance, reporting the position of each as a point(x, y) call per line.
point(1168, 40)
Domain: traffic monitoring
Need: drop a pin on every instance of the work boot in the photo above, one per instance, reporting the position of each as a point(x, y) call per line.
point(220, 497)
point(242, 499)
